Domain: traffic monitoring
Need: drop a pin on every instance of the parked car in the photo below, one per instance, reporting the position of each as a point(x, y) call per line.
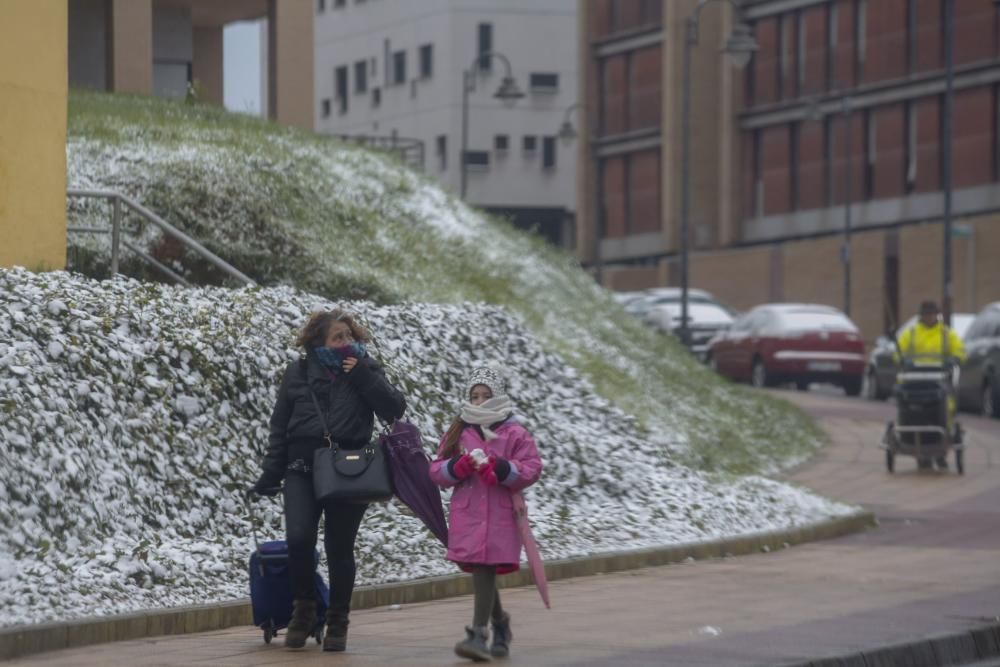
point(658, 296)
point(882, 366)
point(705, 320)
point(791, 342)
point(625, 298)
point(979, 379)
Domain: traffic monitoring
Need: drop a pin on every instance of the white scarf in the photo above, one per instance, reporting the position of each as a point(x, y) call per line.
point(488, 412)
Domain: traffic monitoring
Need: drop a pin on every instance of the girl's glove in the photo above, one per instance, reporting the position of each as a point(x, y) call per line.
point(494, 471)
point(461, 466)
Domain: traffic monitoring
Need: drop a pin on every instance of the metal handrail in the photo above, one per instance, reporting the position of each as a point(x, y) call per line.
point(117, 199)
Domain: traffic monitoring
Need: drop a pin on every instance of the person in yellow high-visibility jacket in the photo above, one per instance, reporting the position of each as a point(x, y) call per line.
point(930, 342)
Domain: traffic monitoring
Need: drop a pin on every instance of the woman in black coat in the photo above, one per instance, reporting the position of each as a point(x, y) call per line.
point(350, 388)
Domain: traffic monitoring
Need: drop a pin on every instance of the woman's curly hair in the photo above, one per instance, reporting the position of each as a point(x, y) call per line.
point(316, 328)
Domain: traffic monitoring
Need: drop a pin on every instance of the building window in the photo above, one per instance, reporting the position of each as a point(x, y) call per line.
point(910, 157)
point(325, 107)
point(870, 156)
point(484, 45)
point(757, 196)
point(341, 88)
point(828, 160)
point(996, 132)
point(501, 142)
point(911, 36)
point(800, 52)
point(337, 4)
point(529, 144)
point(548, 153)
point(477, 159)
point(860, 31)
point(376, 97)
point(360, 77)
point(372, 66)
point(441, 144)
point(831, 45)
point(544, 82)
point(426, 61)
point(399, 67)
point(320, 6)
point(793, 161)
point(784, 56)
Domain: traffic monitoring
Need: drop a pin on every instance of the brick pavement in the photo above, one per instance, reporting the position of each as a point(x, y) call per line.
point(933, 566)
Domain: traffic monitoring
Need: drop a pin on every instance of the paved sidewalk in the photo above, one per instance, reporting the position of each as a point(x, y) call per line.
point(932, 567)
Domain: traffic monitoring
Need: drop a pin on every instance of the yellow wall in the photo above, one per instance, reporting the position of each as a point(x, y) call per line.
point(33, 90)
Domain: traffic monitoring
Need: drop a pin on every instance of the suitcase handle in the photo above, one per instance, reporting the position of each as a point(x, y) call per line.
point(253, 530)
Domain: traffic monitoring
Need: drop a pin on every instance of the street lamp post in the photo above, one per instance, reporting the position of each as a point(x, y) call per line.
point(949, 103)
point(568, 133)
point(740, 46)
point(508, 91)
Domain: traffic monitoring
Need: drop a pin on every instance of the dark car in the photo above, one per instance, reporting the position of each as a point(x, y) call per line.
point(791, 342)
point(979, 379)
point(880, 372)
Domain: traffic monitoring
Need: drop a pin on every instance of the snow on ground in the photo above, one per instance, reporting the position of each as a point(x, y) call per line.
point(134, 415)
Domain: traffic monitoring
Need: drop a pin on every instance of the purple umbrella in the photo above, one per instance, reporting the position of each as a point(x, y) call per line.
point(410, 469)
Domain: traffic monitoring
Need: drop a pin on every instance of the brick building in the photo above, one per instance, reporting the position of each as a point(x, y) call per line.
point(770, 152)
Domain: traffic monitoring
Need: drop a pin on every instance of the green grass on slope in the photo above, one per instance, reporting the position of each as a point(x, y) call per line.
point(286, 206)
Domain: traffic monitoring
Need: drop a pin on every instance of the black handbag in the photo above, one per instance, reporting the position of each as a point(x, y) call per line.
point(350, 475)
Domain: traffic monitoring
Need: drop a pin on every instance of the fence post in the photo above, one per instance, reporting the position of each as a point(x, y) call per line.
point(116, 220)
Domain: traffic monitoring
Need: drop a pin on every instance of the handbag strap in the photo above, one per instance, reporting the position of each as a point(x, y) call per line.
point(386, 427)
point(322, 418)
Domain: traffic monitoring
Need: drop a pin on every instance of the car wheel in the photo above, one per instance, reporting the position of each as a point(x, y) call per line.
point(759, 376)
point(802, 385)
point(991, 400)
point(852, 386)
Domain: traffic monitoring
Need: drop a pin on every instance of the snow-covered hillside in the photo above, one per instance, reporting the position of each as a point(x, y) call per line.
point(134, 415)
point(291, 208)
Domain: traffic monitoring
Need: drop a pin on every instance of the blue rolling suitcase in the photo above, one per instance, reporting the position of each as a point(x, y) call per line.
point(271, 591)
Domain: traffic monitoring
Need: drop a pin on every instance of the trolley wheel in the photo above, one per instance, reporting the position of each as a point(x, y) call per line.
point(268, 635)
point(890, 460)
point(960, 461)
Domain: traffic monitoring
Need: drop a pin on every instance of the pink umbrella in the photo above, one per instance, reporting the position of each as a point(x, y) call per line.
point(531, 548)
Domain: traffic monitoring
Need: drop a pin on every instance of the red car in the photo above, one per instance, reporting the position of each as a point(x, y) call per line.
point(791, 342)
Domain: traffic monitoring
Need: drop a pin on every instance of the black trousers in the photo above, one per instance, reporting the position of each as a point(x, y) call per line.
point(302, 514)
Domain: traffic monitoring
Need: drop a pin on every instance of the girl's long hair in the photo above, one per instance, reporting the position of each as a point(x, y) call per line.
point(450, 447)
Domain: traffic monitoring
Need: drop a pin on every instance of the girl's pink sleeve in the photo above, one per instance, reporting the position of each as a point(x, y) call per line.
point(439, 469)
point(526, 464)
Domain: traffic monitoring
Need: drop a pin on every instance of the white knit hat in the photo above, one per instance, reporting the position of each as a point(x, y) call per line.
point(490, 377)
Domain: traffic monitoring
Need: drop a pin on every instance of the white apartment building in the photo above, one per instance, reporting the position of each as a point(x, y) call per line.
point(393, 70)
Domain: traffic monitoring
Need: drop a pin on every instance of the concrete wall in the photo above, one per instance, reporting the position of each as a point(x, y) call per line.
point(811, 271)
point(740, 279)
point(208, 64)
point(290, 62)
point(33, 90)
point(131, 66)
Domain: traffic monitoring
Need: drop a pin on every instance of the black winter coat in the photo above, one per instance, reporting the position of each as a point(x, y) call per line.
point(349, 402)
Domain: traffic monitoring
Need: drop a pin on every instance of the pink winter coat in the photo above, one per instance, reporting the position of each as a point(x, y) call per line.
point(481, 527)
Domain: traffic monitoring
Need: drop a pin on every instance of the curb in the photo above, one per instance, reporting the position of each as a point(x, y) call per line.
point(26, 640)
point(960, 648)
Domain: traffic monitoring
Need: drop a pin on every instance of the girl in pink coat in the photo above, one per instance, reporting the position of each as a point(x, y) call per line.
point(486, 455)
